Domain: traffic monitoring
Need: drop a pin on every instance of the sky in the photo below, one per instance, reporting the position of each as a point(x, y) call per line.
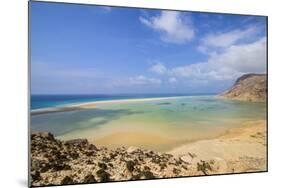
point(82, 49)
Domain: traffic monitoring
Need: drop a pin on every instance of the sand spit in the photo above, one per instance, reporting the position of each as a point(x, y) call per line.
point(90, 105)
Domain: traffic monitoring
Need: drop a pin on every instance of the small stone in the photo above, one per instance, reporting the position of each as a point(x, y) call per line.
point(47, 135)
point(92, 147)
point(130, 165)
point(105, 159)
point(219, 165)
point(103, 175)
point(136, 177)
point(186, 158)
point(90, 162)
point(90, 179)
point(45, 167)
point(35, 175)
point(67, 180)
point(35, 164)
point(146, 168)
point(162, 166)
point(74, 155)
point(60, 166)
point(148, 174)
point(90, 153)
point(156, 160)
point(77, 142)
point(102, 166)
point(204, 167)
point(176, 171)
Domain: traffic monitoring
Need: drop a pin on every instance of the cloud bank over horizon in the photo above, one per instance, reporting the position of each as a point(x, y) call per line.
point(117, 50)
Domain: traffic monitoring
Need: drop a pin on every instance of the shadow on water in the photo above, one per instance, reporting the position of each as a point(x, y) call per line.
point(63, 122)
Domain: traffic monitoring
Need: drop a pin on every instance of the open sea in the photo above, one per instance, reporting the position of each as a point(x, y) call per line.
point(159, 124)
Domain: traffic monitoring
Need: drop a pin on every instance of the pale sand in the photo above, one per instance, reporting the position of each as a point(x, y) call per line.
point(144, 140)
point(121, 101)
point(132, 138)
point(90, 105)
point(240, 149)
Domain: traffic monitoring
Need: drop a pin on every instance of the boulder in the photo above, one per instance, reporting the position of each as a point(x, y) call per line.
point(132, 149)
point(186, 158)
point(130, 165)
point(103, 175)
point(45, 135)
point(35, 175)
point(67, 180)
point(89, 179)
point(77, 142)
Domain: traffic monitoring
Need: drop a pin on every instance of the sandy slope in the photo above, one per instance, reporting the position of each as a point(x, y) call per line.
point(238, 150)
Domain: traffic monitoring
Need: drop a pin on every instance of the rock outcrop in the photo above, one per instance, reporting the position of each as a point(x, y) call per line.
point(249, 87)
point(55, 162)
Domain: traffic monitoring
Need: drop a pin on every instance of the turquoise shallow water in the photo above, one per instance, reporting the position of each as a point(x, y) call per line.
point(183, 118)
point(46, 101)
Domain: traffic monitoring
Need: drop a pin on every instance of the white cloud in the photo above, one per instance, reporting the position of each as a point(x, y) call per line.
point(243, 58)
point(228, 38)
point(234, 61)
point(143, 80)
point(158, 68)
point(204, 71)
point(229, 64)
point(172, 26)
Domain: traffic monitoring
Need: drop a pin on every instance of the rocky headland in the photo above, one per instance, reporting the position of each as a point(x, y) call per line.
point(55, 162)
point(249, 87)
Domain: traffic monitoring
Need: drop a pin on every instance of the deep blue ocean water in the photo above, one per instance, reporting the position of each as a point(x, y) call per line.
point(46, 101)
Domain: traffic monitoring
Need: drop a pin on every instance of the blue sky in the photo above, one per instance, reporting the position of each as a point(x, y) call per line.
point(79, 49)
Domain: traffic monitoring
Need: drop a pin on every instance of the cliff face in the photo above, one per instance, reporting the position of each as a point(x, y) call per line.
point(249, 87)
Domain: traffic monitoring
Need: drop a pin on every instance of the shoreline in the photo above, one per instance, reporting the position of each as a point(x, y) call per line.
point(241, 149)
point(94, 104)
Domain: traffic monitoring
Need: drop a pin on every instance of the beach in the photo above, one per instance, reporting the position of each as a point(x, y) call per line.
point(242, 149)
point(147, 138)
point(238, 150)
point(161, 123)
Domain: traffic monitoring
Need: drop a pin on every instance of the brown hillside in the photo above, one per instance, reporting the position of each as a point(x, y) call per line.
point(249, 87)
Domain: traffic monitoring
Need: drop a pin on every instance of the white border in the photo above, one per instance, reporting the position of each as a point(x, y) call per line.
point(13, 81)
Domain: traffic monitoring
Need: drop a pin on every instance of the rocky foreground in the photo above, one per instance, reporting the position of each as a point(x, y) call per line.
point(249, 87)
point(55, 162)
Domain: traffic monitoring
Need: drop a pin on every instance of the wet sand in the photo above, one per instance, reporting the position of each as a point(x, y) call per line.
point(244, 143)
